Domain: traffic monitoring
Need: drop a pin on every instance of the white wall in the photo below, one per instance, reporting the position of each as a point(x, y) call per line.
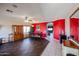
point(5, 30)
point(67, 26)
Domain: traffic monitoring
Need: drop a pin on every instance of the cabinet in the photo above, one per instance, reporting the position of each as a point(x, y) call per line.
point(18, 32)
point(66, 50)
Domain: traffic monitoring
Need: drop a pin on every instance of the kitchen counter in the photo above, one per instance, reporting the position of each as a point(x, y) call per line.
point(68, 47)
point(70, 44)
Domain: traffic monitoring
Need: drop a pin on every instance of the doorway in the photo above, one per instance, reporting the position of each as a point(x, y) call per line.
point(26, 31)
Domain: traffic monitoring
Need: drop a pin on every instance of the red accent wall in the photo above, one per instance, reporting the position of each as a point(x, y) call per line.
point(58, 27)
point(74, 28)
point(42, 26)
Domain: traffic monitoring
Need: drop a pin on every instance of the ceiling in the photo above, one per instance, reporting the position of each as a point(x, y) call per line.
point(40, 12)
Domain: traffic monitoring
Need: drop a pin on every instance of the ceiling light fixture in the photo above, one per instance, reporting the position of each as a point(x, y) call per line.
point(26, 19)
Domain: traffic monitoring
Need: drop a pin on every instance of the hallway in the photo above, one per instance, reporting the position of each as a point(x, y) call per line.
point(54, 48)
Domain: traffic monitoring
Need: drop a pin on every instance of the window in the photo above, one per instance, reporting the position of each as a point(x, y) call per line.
point(26, 29)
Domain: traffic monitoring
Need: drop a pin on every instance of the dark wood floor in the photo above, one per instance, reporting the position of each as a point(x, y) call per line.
point(26, 47)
